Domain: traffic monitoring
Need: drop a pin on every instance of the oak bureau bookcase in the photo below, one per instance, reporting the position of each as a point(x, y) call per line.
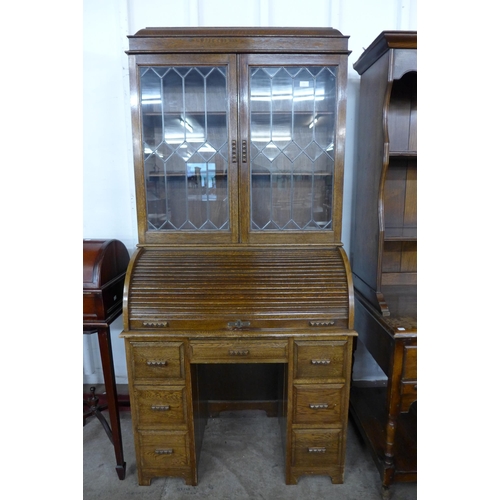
point(238, 139)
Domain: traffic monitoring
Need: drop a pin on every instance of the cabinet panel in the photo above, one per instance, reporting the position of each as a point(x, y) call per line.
point(402, 115)
point(186, 187)
point(290, 110)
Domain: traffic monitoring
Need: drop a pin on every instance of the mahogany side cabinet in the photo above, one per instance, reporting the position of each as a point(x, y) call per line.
point(238, 140)
point(104, 266)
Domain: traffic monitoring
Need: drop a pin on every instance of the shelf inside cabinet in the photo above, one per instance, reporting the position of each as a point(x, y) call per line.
point(403, 154)
point(401, 233)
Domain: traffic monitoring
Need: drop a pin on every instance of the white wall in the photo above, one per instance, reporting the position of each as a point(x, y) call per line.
point(108, 185)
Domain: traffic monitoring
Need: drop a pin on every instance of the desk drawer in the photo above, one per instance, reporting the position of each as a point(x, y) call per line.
point(408, 395)
point(316, 447)
point(410, 363)
point(163, 450)
point(157, 360)
point(321, 359)
point(239, 351)
point(318, 404)
point(160, 406)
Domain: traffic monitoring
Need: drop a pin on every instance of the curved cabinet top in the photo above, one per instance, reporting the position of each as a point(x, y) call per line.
point(386, 41)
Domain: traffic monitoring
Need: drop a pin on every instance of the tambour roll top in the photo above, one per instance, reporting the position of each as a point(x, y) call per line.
point(239, 288)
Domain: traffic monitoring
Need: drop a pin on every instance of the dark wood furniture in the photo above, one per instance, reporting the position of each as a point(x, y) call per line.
point(240, 271)
point(104, 267)
point(384, 250)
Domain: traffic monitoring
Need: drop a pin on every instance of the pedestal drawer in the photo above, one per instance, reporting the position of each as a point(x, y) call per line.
point(318, 404)
point(163, 450)
point(160, 406)
point(157, 360)
point(316, 447)
point(320, 359)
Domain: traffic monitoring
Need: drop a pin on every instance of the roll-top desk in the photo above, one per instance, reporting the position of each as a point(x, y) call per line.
point(238, 154)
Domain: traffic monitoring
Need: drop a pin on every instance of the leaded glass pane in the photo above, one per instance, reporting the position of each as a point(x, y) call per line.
point(185, 146)
point(292, 134)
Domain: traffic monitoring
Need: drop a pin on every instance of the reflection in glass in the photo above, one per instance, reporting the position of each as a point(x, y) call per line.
point(185, 145)
point(292, 127)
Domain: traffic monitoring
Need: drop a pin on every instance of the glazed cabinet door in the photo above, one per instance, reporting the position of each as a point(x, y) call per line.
point(184, 120)
point(292, 148)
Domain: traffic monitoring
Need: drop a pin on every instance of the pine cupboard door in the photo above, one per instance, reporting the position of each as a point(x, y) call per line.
point(291, 147)
point(185, 128)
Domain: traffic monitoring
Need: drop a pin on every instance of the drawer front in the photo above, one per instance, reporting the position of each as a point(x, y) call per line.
point(157, 360)
point(320, 359)
point(160, 406)
point(410, 363)
point(163, 450)
point(316, 448)
point(318, 404)
point(408, 395)
point(239, 351)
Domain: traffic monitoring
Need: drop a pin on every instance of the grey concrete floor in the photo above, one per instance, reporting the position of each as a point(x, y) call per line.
point(241, 458)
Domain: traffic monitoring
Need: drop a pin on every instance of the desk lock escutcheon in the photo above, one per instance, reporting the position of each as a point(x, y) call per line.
point(238, 324)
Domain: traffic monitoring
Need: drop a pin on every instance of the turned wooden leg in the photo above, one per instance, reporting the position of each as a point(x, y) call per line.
point(390, 433)
point(110, 384)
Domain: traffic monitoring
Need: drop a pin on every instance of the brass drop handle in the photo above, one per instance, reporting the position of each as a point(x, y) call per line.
point(320, 361)
point(160, 407)
point(316, 450)
point(318, 406)
point(243, 352)
point(168, 451)
point(156, 362)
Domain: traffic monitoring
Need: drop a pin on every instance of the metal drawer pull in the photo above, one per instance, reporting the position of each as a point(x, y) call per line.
point(168, 451)
point(318, 406)
point(160, 408)
point(244, 352)
point(316, 450)
point(156, 362)
point(321, 361)
point(321, 323)
point(155, 323)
